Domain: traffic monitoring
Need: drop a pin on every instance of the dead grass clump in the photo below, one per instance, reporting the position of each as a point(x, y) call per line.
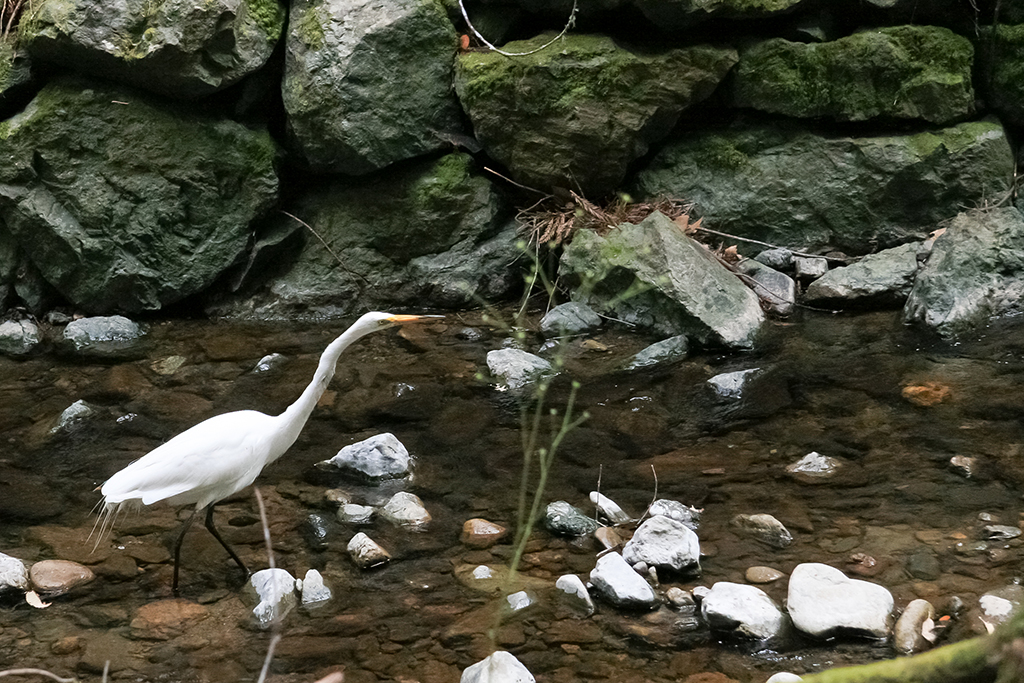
point(553, 222)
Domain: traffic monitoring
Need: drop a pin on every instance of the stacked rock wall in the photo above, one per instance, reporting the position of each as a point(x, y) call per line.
point(318, 157)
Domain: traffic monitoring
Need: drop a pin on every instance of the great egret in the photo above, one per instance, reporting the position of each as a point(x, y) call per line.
point(224, 454)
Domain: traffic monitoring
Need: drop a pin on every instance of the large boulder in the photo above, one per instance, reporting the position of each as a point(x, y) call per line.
point(791, 186)
point(432, 233)
point(882, 279)
point(681, 13)
point(901, 72)
point(577, 113)
point(975, 272)
point(123, 203)
point(654, 276)
point(369, 82)
point(179, 48)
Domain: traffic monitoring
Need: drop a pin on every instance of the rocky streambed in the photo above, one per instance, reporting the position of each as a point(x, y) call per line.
point(917, 441)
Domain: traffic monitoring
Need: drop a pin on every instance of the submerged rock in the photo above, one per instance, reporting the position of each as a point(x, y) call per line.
point(654, 276)
point(566, 520)
point(777, 290)
point(405, 509)
point(365, 552)
point(764, 528)
point(500, 667)
point(55, 577)
point(665, 351)
point(729, 385)
point(578, 113)
point(73, 416)
point(824, 603)
point(177, 48)
point(664, 543)
point(814, 465)
point(516, 368)
point(102, 333)
point(381, 456)
point(367, 84)
point(742, 610)
point(617, 583)
point(569, 319)
point(314, 591)
point(959, 290)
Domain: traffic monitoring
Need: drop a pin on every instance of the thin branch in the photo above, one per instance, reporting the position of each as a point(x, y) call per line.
point(763, 244)
point(36, 672)
point(569, 24)
point(648, 510)
point(266, 527)
point(270, 656)
point(326, 246)
point(520, 185)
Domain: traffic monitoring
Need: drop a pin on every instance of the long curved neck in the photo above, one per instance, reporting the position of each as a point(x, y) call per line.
point(294, 418)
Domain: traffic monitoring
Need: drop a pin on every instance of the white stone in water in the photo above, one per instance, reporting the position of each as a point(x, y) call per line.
point(815, 464)
point(764, 528)
point(13, 574)
point(690, 516)
point(275, 589)
point(268, 362)
point(350, 513)
point(405, 509)
point(576, 592)
point(908, 634)
point(823, 601)
point(517, 368)
point(365, 552)
point(741, 609)
point(500, 667)
point(995, 610)
point(609, 508)
point(616, 581)
point(700, 592)
point(784, 677)
point(73, 416)
point(483, 572)
point(664, 542)
point(730, 384)
point(314, 591)
point(380, 457)
point(518, 601)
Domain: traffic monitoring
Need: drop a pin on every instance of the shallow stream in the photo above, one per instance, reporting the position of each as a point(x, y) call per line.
point(896, 513)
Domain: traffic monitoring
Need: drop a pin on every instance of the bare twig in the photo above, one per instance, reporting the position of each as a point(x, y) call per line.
point(648, 510)
point(36, 672)
point(274, 640)
point(569, 24)
point(763, 244)
point(266, 527)
point(326, 246)
point(520, 185)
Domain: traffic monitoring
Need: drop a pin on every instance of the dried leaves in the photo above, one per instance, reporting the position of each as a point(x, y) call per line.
point(553, 222)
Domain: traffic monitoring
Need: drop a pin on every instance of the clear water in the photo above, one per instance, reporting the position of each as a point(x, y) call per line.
point(830, 384)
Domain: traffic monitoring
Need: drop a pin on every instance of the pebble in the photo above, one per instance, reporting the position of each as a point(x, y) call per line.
point(608, 537)
point(814, 465)
point(964, 466)
point(73, 416)
point(166, 619)
point(479, 533)
point(365, 552)
point(337, 497)
point(519, 601)
point(314, 591)
point(762, 575)
point(405, 509)
point(1000, 532)
point(764, 528)
point(927, 393)
point(54, 577)
point(350, 513)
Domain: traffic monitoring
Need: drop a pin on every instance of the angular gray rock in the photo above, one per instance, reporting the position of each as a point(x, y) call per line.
point(742, 610)
point(730, 385)
point(609, 509)
point(15, 66)
point(576, 114)
point(814, 465)
point(566, 520)
point(777, 290)
point(975, 272)
point(617, 583)
point(433, 232)
point(652, 275)
point(575, 593)
point(789, 186)
point(664, 543)
point(683, 13)
point(381, 456)
point(665, 351)
point(901, 72)
point(764, 528)
point(569, 319)
point(178, 48)
point(102, 333)
point(18, 337)
point(350, 513)
point(366, 553)
point(516, 368)
point(673, 509)
point(405, 509)
point(369, 82)
point(132, 206)
point(882, 279)
point(823, 603)
point(500, 667)
point(73, 416)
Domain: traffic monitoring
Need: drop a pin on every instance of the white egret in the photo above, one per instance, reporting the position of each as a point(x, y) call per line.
point(224, 454)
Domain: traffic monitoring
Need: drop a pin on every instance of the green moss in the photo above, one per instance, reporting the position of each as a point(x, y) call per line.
point(718, 152)
point(446, 180)
point(269, 16)
point(310, 28)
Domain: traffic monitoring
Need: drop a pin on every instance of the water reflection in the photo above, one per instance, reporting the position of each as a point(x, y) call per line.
point(831, 384)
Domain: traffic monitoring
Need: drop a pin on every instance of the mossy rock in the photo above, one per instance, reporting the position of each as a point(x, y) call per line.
point(1001, 62)
point(668, 14)
point(578, 112)
point(900, 72)
point(124, 204)
point(793, 187)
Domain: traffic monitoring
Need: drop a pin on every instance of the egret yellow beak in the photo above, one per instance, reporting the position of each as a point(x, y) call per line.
point(400, 319)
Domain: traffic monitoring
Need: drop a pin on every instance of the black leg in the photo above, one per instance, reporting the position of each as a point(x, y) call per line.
point(216, 534)
point(177, 548)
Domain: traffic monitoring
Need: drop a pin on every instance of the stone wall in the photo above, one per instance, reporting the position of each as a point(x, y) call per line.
point(253, 158)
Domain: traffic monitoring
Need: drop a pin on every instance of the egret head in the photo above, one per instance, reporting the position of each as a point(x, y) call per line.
point(377, 320)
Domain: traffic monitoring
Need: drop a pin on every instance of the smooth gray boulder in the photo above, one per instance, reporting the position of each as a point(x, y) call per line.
point(896, 72)
point(102, 333)
point(500, 667)
point(617, 583)
point(18, 337)
point(684, 13)
point(381, 456)
point(742, 610)
point(789, 186)
point(652, 275)
point(570, 318)
point(433, 232)
point(975, 272)
point(517, 369)
point(824, 603)
point(665, 351)
point(777, 290)
point(764, 528)
point(882, 279)
point(133, 206)
point(576, 114)
point(664, 543)
point(179, 48)
point(369, 82)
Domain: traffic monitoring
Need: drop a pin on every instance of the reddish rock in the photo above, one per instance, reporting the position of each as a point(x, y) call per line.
point(166, 619)
point(479, 533)
point(927, 393)
point(54, 577)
